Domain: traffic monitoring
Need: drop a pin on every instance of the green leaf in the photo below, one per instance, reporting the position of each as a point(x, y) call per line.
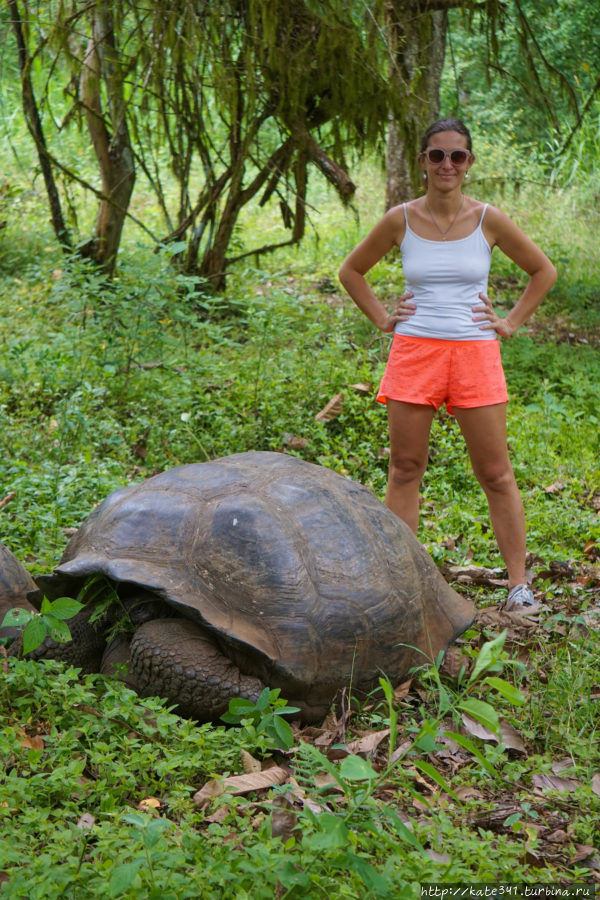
point(482, 712)
point(64, 607)
point(59, 630)
point(264, 700)
point(34, 634)
point(283, 732)
point(403, 831)
point(123, 877)
point(355, 768)
point(464, 741)
point(433, 773)
point(17, 617)
point(333, 832)
point(508, 690)
point(488, 656)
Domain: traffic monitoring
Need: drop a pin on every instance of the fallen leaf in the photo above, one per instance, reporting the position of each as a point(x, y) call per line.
point(511, 738)
point(86, 822)
point(240, 784)
point(558, 837)
point(363, 388)
point(596, 784)
point(283, 818)
point(294, 442)
point(583, 852)
point(477, 729)
point(249, 764)
point(31, 742)
point(402, 690)
point(555, 488)
point(369, 743)
point(331, 410)
point(562, 765)
point(149, 803)
point(553, 783)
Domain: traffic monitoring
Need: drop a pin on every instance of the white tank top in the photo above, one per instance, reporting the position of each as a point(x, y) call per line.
point(446, 278)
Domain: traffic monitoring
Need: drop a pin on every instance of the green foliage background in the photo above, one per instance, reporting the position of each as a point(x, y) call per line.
point(107, 382)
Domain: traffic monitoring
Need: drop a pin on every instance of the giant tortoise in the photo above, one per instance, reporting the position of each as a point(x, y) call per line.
point(256, 569)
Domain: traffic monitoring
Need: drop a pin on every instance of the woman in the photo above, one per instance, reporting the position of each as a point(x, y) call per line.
point(445, 347)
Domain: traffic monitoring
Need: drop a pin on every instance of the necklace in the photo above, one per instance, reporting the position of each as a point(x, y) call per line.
point(444, 233)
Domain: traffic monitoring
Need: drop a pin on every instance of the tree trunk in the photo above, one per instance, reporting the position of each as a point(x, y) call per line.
point(113, 150)
point(34, 124)
point(417, 41)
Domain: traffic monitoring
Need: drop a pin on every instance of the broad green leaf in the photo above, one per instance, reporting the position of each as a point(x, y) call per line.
point(482, 712)
point(284, 732)
point(488, 656)
point(65, 607)
point(123, 877)
point(333, 832)
point(371, 878)
point(264, 700)
point(59, 630)
point(16, 617)
point(508, 690)
point(34, 634)
point(355, 768)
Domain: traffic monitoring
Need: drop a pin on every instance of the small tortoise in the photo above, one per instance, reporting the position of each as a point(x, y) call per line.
point(257, 569)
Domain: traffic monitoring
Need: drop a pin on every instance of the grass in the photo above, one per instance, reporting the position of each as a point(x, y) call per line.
point(103, 384)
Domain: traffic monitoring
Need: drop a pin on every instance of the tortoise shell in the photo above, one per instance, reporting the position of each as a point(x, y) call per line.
point(302, 576)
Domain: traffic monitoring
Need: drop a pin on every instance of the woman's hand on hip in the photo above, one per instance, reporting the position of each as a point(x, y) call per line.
point(402, 313)
point(492, 321)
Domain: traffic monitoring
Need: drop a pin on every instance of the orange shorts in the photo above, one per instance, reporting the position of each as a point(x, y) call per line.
point(432, 372)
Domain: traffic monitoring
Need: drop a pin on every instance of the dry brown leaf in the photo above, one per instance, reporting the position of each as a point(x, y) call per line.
point(249, 764)
point(477, 729)
point(465, 792)
point(149, 803)
point(7, 499)
point(362, 388)
point(402, 690)
point(295, 442)
point(218, 816)
point(583, 852)
point(369, 743)
point(555, 488)
point(559, 836)
point(562, 765)
point(240, 784)
point(283, 818)
point(86, 822)
point(305, 800)
point(553, 783)
point(331, 410)
point(402, 750)
point(511, 738)
point(596, 784)
point(31, 742)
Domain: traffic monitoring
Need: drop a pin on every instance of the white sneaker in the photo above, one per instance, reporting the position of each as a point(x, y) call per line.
point(520, 599)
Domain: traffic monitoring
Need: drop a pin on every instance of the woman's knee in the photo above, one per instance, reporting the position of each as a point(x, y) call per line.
point(498, 479)
point(406, 470)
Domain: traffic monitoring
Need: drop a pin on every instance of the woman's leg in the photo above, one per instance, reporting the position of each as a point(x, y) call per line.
point(484, 430)
point(409, 424)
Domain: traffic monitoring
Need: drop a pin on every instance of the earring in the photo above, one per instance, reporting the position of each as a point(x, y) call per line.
point(466, 174)
point(425, 177)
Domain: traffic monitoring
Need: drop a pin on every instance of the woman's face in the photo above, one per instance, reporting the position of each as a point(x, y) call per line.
point(446, 174)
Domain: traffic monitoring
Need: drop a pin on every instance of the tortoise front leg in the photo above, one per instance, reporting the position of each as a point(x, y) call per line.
point(175, 659)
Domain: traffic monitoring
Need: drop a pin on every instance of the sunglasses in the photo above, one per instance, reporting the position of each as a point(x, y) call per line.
point(436, 155)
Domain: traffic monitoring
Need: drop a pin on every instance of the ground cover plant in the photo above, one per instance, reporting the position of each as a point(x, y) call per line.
point(483, 769)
